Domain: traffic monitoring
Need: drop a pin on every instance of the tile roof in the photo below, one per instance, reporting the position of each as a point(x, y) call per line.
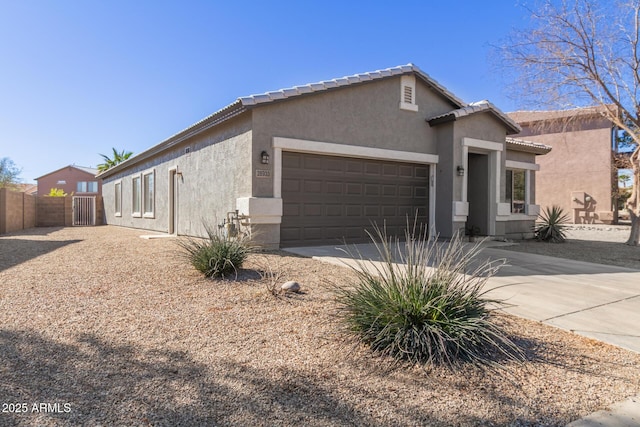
point(92, 171)
point(473, 108)
point(347, 81)
point(528, 146)
point(244, 103)
point(528, 116)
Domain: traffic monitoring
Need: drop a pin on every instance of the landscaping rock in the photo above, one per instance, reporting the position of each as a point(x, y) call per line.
point(290, 286)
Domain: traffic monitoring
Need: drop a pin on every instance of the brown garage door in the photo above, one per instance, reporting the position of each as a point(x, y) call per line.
point(327, 199)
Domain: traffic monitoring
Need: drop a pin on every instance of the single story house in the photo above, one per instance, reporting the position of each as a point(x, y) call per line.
point(73, 179)
point(579, 174)
point(319, 163)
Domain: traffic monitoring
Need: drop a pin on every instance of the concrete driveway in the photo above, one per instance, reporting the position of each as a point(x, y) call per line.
point(593, 300)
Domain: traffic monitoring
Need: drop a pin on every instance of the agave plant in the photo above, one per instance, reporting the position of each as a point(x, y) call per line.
point(421, 314)
point(552, 227)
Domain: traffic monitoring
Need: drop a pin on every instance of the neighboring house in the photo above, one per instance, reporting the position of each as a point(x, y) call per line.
point(578, 175)
point(318, 163)
point(74, 179)
point(31, 189)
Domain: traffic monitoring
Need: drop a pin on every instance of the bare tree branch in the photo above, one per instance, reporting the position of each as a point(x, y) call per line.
point(583, 53)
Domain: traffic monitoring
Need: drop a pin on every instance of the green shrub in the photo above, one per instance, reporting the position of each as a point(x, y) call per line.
point(552, 226)
point(216, 255)
point(420, 314)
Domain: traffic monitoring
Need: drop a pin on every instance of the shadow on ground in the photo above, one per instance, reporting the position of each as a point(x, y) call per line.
point(14, 251)
point(107, 384)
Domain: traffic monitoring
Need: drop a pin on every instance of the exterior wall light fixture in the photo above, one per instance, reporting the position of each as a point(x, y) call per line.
point(460, 170)
point(264, 158)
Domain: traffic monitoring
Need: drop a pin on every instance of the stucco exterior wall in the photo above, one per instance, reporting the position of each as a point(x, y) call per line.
point(580, 162)
point(365, 115)
point(215, 172)
point(483, 127)
point(71, 176)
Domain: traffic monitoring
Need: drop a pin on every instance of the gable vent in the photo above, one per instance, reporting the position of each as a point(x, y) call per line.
point(408, 94)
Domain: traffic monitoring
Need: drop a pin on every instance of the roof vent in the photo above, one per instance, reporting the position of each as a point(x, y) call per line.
point(408, 93)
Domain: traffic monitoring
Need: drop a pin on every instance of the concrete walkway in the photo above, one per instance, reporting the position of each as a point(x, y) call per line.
point(597, 301)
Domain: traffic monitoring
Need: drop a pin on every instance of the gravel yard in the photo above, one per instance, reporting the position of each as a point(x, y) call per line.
point(106, 328)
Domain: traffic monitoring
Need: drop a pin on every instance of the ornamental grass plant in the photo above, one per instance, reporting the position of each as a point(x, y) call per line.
point(217, 255)
point(421, 305)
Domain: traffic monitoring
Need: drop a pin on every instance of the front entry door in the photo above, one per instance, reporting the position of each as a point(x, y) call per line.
point(478, 193)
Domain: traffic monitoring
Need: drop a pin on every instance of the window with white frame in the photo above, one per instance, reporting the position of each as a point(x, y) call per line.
point(87, 187)
point(148, 191)
point(516, 190)
point(118, 198)
point(136, 191)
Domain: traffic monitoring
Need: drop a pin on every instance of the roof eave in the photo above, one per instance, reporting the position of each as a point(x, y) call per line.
point(226, 113)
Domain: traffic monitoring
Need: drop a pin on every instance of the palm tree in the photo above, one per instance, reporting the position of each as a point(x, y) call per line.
point(118, 157)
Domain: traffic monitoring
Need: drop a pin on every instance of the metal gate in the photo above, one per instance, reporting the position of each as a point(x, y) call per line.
point(84, 210)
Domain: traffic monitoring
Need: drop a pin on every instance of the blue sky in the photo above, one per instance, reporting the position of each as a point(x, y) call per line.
point(80, 77)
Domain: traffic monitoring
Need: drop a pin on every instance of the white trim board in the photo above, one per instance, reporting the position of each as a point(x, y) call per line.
point(512, 164)
point(332, 149)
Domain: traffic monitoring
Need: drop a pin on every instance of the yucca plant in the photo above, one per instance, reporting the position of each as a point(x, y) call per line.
point(217, 255)
point(418, 304)
point(552, 227)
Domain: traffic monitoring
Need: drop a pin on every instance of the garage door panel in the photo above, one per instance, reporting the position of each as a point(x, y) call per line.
point(290, 209)
point(372, 189)
point(291, 159)
point(334, 187)
point(311, 163)
point(389, 190)
point(335, 165)
point(354, 167)
point(405, 191)
point(390, 170)
point(405, 171)
point(353, 210)
point(334, 210)
point(313, 186)
point(340, 198)
point(312, 209)
point(354, 188)
point(290, 185)
point(372, 168)
point(421, 172)
point(289, 234)
point(372, 211)
point(420, 192)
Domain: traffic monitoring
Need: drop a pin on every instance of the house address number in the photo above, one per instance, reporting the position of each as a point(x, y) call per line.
point(263, 173)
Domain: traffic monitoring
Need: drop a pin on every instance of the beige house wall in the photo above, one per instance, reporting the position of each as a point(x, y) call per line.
point(577, 174)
